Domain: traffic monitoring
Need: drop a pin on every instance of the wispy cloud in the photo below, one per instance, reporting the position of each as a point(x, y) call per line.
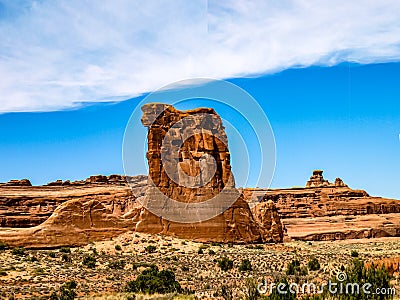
point(58, 54)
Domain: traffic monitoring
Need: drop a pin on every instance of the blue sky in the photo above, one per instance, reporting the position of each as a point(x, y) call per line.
point(326, 75)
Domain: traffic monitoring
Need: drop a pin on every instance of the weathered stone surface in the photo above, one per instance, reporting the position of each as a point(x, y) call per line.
point(74, 223)
point(16, 182)
point(269, 223)
point(317, 179)
point(26, 206)
point(236, 224)
point(83, 213)
point(200, 135)
point(339, 183)
point(189, 162)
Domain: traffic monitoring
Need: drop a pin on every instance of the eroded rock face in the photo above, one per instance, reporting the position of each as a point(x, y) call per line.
point(317, 179)
point(189, 162)
point(269, 223)
point(74, 223)
point(180, 143)
point(28, 206)
point(16, 182)
point(78, 214)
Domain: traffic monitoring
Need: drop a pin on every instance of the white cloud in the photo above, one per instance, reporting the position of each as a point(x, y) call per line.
point(57, 54)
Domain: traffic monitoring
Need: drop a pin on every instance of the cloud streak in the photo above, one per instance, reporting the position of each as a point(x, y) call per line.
point(58, 54)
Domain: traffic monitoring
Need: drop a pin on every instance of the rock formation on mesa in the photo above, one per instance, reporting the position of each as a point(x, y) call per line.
point(317, 180)
point(193, 146)
point(16, 182)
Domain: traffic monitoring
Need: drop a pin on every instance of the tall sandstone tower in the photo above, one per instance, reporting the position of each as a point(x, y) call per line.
point(191, 191)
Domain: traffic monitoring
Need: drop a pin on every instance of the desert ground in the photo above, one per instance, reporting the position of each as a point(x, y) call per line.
point(35, 274)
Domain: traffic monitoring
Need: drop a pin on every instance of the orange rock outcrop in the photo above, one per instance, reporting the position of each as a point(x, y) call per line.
point(193, 144)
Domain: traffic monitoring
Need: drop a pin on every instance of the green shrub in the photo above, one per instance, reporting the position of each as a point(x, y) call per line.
point(66, 258)
point(118, 247)
point(259, 247)
point(66, 292)
point(200, 251)
point(226, 293)
point(251, 291)
point(216, 244)
point(293, 268)
point(33, 259)
point(354, 253)
point(52, 254)
point(303, 271)
point(18, 251)
point(3, 246)
point(89, 261)
point(150, 249)
point(65, 250)
point(152, 281)
point(211, 251)
point(203, 247)
point(117, 264)
point(230, 245)
point(225, 264)
point(245, 265)
point(313, 264)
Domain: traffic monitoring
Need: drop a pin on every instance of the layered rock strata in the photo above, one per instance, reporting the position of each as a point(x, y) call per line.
point(27, 206)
